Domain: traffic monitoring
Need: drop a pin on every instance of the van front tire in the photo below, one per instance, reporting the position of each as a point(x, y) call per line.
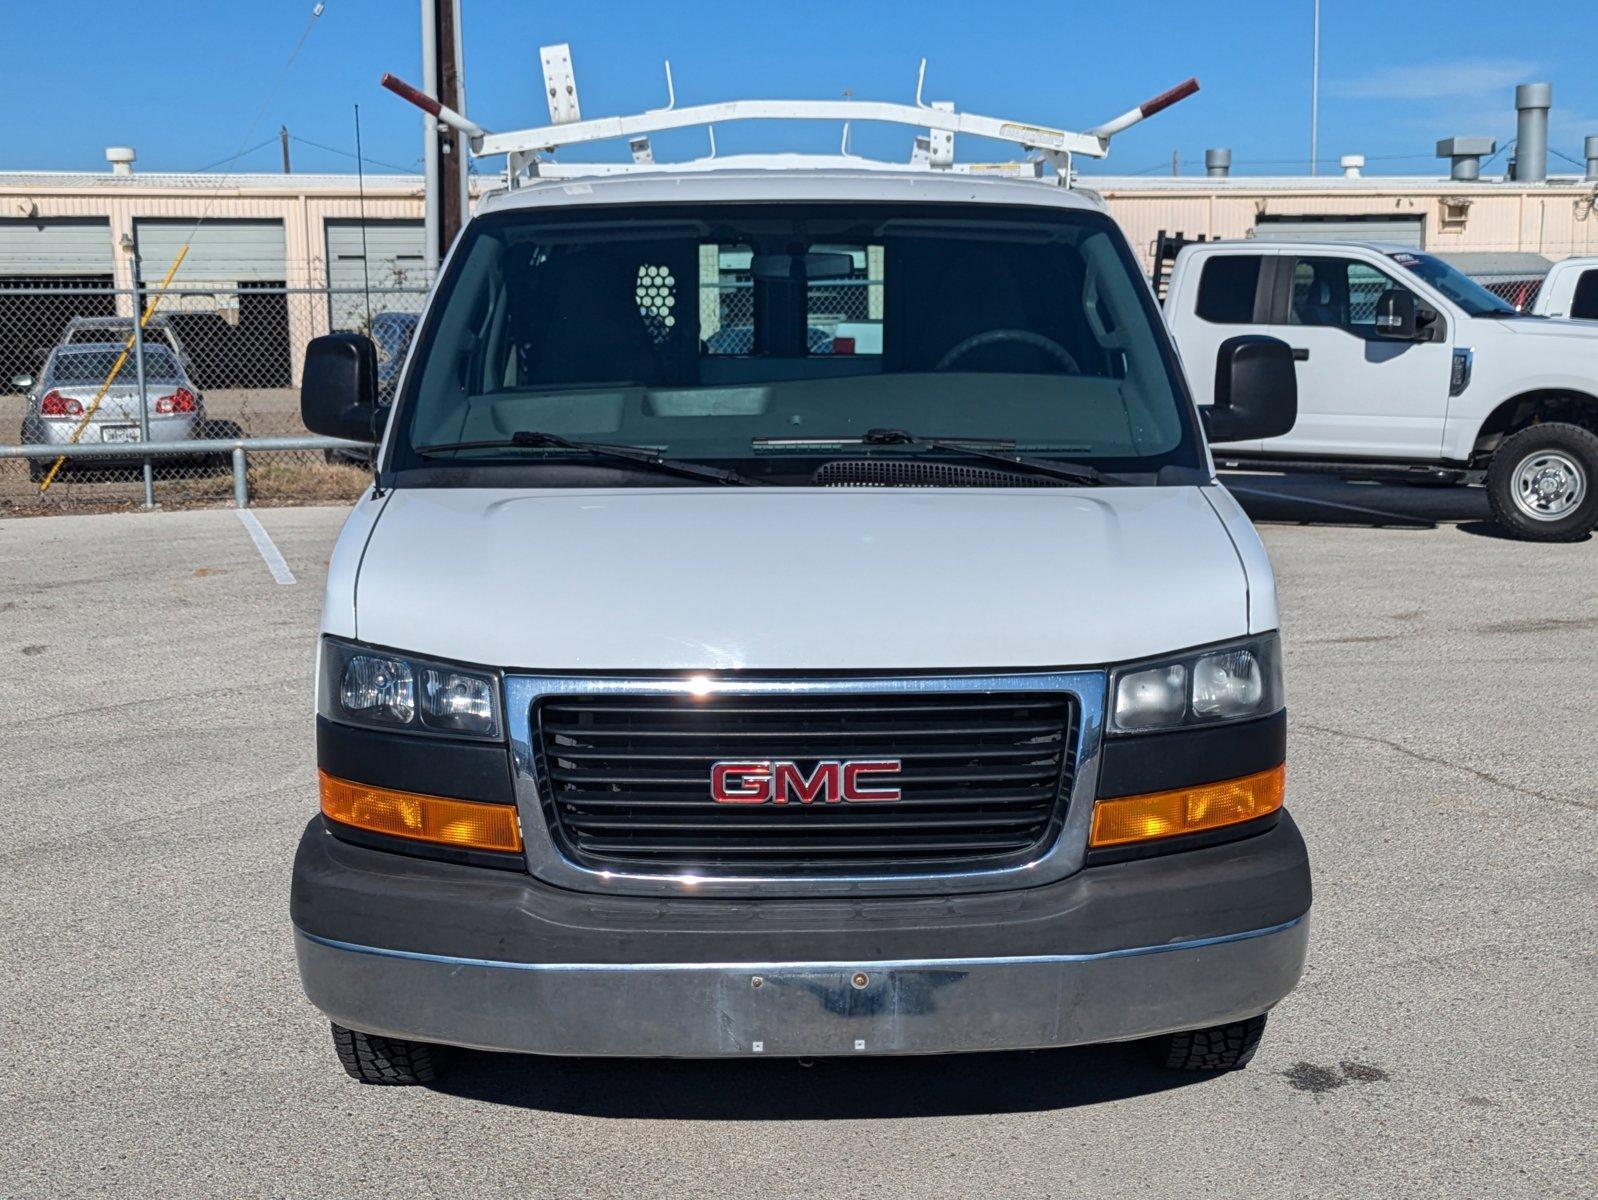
point(1219, 1048)
point(371, 1059)
point(1542, 483)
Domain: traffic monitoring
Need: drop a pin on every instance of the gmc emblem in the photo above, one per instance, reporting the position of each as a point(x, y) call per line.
point(769, 781)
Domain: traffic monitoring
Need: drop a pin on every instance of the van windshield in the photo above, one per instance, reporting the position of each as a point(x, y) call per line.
point(771, 338)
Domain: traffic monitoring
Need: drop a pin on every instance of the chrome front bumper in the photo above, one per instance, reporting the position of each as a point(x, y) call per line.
point(707, 1010)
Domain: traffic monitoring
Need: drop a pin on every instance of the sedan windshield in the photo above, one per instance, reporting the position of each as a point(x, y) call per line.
point(1464, 291)
point(770, 339)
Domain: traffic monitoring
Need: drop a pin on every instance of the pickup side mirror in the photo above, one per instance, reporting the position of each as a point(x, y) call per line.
point(1256, 390)
point(1396, 316)
point(338, 390)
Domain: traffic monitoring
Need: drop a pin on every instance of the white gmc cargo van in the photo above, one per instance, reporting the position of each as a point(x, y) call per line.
point(1404, 365)
point(796, 615)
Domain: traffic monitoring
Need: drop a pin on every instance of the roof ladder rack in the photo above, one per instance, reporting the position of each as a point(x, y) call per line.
point(936, 124)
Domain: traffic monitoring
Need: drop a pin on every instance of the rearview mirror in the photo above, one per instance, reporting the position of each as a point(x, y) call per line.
point(800, 268)
point(1256, 390)
point(22, 382)
point(338, 390)
point(1396, 316)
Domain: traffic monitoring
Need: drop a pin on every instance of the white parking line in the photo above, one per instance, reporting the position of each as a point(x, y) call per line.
point(263, 542)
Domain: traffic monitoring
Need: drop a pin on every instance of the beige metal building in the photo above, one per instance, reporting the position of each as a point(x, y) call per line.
point(265, 233)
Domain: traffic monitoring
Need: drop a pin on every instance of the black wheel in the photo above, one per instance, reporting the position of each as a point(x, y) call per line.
point(1220, 1048)
point(1542, 483)
point(36, 471)
point(372, 1059)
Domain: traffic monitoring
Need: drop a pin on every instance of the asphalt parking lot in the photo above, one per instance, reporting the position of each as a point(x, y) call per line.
point(156, 761)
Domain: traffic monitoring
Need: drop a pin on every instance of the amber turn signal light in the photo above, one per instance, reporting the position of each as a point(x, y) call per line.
point(1187, 810)
point(434, 819)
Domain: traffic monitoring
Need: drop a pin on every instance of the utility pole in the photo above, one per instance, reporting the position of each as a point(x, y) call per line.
point(283, 140)
point(1315, 94)
point(444, 149)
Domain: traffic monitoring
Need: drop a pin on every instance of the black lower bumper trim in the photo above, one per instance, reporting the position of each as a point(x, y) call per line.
point(368, 897)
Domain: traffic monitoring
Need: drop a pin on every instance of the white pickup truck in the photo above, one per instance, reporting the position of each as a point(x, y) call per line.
point(1570, 290)
point(1405, 366)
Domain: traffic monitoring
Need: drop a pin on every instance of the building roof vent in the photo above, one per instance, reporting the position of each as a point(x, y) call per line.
point(1591, 152)
point(1532, 101)
point(1218, 162)
point(1464, 155)
point(121, 159)
point(1352, 164)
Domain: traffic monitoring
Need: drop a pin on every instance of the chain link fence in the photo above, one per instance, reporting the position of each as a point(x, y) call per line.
point(211, 364)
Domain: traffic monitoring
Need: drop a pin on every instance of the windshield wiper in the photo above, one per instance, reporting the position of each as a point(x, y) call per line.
point(1084, 476)
point(532, 439)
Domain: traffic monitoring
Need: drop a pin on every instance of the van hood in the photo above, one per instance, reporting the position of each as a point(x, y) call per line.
point(686, 578)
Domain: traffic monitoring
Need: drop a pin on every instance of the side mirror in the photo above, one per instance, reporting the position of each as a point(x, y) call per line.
point(1256, 390)
point(1396, 316)
point(338, 390)
point(22, 382)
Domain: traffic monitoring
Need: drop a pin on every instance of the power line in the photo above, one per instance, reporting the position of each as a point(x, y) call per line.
point(234, 157)
point(410, 170)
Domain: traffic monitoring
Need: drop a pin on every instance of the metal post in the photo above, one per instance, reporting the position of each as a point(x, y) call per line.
point(144, 394)
point(430, 251)
point(241, 479)
point(1315, 95)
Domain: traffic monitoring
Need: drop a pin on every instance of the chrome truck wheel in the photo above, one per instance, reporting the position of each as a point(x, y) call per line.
point(1540, 483)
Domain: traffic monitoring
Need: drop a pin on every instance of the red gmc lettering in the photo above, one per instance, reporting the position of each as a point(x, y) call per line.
point(740, 782)
point(762, 781)
point(788, 780)
point(853, 771)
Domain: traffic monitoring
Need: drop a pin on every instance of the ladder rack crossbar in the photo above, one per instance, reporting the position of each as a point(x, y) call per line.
point(1027, 136)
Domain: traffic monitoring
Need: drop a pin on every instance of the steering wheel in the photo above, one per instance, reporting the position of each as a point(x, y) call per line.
point(1024, 337)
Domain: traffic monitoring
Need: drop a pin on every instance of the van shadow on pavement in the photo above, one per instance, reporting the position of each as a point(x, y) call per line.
point(831, 1089)
point(1330, 500)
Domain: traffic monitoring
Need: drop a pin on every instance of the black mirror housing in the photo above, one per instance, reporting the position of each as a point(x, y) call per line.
point(1256, 390)
point(1396, 316)
point(338, 388)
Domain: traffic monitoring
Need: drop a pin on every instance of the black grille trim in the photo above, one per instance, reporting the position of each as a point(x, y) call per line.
point(624, 780)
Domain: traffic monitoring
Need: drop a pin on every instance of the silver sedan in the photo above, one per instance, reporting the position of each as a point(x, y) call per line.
point(63, 398)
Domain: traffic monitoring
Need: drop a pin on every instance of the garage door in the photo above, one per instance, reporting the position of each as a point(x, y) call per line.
point(1392, 231)
point(55, 247)
point(390, 265)
point(220, 252)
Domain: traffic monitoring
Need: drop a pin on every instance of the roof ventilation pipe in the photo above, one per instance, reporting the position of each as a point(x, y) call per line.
point(1591, 152)
point(1532, 101)
point(1218, 163)
point(1464, 155)
point(121, 159)
point(1352, 164)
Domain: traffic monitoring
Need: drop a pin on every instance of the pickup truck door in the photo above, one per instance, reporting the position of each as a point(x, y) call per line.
point(1358, 395)
point(1226, 295)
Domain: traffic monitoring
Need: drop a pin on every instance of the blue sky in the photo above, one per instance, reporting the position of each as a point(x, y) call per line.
point(182, 80)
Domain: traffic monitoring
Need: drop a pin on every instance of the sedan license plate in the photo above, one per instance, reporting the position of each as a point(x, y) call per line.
point(120, 433)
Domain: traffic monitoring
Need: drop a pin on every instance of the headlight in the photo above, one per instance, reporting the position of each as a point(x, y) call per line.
point(1230, 683)
point(385, 690)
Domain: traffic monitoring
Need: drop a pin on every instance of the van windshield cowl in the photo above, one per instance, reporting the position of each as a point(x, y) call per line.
point(768, 340)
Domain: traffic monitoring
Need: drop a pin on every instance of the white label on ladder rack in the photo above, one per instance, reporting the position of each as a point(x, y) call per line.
point(560, 84)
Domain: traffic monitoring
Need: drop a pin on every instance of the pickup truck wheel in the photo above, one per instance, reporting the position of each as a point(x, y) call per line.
point(1220, 1048)
point(1542, 483)
point(372, 1059)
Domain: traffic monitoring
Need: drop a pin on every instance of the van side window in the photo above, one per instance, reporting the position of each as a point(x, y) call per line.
point(1340, 292)
point(1226, 289)
point(1585, 302)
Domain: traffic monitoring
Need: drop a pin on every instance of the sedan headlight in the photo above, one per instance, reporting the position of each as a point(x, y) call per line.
point(1227, 683)
point(384, 690)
